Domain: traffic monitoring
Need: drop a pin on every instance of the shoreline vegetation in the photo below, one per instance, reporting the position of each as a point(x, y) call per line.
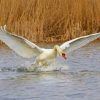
point(50, 21)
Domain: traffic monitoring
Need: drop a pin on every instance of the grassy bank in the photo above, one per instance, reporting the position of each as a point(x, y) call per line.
point(50, 20)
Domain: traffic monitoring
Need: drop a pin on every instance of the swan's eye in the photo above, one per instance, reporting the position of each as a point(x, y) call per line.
point(63, 54)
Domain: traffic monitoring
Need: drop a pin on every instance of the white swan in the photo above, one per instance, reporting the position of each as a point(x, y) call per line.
point(27, 49)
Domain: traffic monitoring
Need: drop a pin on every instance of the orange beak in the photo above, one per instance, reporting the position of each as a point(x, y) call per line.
point(64, 56)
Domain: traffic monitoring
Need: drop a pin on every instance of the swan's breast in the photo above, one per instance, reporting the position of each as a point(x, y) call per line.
point(48, 54)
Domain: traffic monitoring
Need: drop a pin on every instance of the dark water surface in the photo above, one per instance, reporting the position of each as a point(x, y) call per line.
point(78, 79)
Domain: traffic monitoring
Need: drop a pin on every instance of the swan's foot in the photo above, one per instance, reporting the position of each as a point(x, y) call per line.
point(43, 64)
point(33, 67)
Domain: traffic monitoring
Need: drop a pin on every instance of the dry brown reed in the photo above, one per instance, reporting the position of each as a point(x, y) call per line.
point(50, 20)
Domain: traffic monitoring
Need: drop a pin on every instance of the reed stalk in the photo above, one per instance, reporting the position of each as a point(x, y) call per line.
point(50, 20)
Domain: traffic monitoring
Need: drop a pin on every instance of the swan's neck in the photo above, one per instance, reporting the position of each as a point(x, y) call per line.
point(58, 49)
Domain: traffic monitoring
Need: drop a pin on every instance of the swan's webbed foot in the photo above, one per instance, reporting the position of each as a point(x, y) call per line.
point(43, 64)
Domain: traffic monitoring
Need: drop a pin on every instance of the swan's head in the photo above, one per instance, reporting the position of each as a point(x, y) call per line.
point(64, 55)
point(60, 52)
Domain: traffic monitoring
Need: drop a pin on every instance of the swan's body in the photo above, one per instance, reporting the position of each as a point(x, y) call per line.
point(27, 49)
point(43, 58)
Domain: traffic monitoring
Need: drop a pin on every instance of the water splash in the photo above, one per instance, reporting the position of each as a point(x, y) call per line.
point(28, 66)
point(55, 66)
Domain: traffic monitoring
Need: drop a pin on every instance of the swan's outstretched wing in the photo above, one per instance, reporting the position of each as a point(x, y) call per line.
point(78, 42)
point(20, 45)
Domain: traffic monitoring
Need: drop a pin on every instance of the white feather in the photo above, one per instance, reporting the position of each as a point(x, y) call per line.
point(20, 45)
point(76, 43)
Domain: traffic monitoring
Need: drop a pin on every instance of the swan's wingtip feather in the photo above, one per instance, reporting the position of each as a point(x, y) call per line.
point(4, 27)
point(1, 28)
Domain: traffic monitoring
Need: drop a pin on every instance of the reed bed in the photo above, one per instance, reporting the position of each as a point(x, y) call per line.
point(50, 20)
